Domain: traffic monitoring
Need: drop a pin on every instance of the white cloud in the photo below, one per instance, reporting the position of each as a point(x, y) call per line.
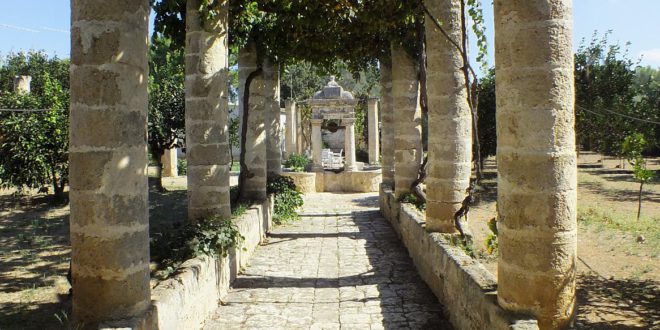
point(650, 56)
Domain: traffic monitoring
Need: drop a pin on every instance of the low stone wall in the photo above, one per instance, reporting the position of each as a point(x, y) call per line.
point(359, 181)
point(192, 295)
point(305, 181)
point(461, 284)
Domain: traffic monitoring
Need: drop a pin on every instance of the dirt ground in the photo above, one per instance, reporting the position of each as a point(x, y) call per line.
point(619, 278)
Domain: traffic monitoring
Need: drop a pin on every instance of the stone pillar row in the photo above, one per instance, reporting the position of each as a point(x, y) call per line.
point(537, 171)
point(291, 142)
point(207, 146)
point(272, 117)
point(374, 136)
point(109, 223)
point(350, 164)
point(408, 120)
point(450, 119)
point(255, 145)
point(387, 119)
point(316, 145)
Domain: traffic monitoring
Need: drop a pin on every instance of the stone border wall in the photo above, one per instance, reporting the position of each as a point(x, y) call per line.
point(466, 289)
point(327, 181)
point(187, 299)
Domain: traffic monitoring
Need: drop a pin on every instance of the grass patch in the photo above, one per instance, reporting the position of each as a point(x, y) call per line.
point(601, 221)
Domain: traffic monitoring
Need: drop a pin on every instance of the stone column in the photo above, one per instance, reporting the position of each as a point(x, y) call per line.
point(109, 222)
point(22, 84)
point(255, 140)
point(300, 139)
point(537, 171)
point(207, 111)
point(349, 145)
point(272, 104)
point(374, 136)
point(408, 119)
point(169, 160)
point(387, 119)
point(291, 144)
point(316, 145)
point(450, 119)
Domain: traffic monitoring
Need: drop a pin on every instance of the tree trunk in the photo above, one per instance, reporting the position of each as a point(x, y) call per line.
point(639, 200)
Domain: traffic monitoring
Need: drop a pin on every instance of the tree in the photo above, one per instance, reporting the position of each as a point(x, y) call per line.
point(604, 92)
point(647, 101)
point(34, 144)
point(166, 99)
point(632, 148)
point(486, 110)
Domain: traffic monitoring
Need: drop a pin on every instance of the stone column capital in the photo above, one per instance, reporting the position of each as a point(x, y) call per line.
point(348, 121)
point(316, 121)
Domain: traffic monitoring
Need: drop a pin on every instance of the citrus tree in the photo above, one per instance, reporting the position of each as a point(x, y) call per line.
point(34, 144)
point(166, 98)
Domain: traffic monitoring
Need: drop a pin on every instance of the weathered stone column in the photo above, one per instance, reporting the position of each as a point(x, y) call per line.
point(291, 144)
point(255, 140)
point(22, 84)
point(537, 172)
point(207, 113)
point(408, 118)
point(349, 145)
point(109, 227)
point(170, 163)
point(272, 104)
point(374, 136)
point(316, 145)
point(450, 119)
point(387, 120)
point(302, 145)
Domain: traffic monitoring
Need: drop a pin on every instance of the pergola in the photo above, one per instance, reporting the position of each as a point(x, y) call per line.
point(536, 147)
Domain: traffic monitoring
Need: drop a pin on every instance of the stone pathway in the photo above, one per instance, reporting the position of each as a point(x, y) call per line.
point(340, 267)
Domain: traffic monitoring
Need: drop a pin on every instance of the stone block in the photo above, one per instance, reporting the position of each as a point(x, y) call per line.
point(117, 254)
point(102, 299)
point(109, 128)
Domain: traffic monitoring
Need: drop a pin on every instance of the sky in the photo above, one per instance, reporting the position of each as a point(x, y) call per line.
point(44, 25)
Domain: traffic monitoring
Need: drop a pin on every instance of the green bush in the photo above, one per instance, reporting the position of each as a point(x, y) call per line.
point(492, 245)
point(297, 162)
point(182, 166)
point(287, 198)
point(209, 236)
point(412, 199)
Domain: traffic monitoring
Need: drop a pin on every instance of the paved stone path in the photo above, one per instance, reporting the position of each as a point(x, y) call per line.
point(340, 267)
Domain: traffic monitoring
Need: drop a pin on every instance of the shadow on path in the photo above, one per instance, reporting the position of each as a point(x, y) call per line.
point(341, 268)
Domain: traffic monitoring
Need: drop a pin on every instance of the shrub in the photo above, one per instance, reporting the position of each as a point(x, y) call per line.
point(492, 245)
point(182, 166)
point(209, 236)
point(287, 198)
point(412, 199)
point(297, 162)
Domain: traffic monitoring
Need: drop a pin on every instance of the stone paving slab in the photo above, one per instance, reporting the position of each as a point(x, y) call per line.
point(340, 267)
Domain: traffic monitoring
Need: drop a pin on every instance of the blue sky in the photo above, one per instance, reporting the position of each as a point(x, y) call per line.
point(44, 24)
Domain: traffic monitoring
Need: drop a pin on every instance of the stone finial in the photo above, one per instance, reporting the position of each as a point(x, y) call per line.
point(333, 91)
